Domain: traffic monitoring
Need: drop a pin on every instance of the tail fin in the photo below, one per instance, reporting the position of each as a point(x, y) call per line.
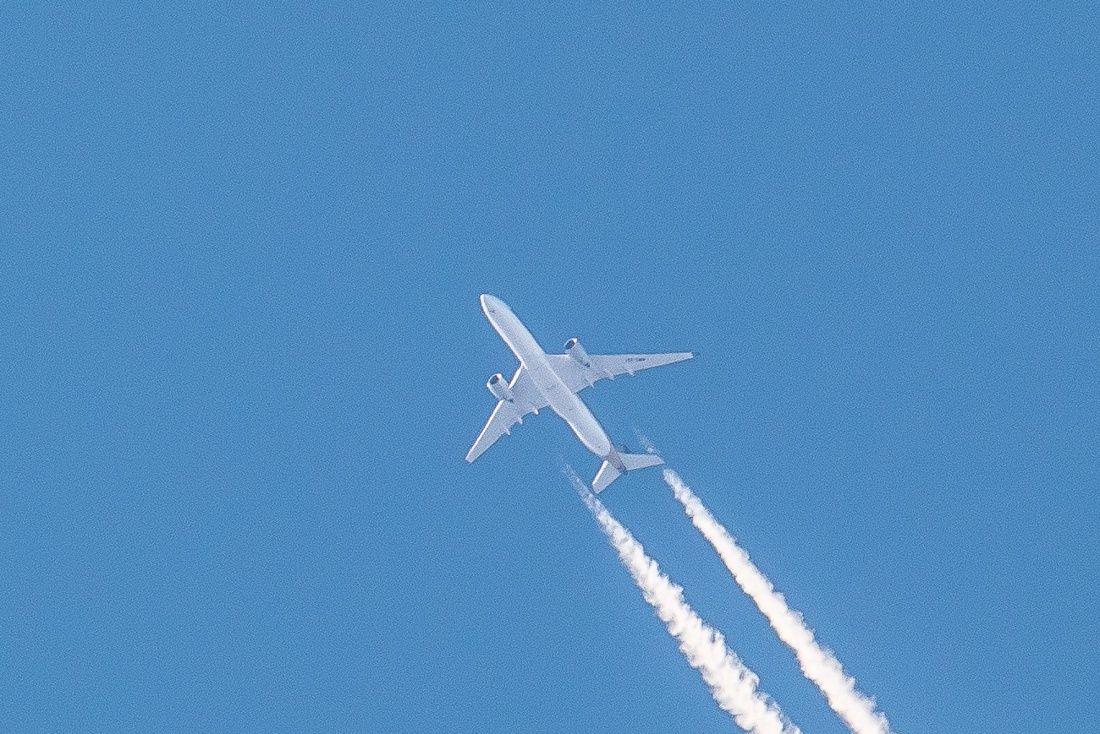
point(608, 473)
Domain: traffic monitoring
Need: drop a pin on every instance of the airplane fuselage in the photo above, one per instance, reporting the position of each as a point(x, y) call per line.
point(559, 397)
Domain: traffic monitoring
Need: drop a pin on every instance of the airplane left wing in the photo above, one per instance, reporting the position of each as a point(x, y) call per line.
point(526, 398)
point(577, 376)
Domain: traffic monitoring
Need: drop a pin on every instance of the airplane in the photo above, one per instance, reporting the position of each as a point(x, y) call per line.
point(553, 380)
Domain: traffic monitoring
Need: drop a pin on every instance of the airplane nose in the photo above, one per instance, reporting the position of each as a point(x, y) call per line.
point(489, 303)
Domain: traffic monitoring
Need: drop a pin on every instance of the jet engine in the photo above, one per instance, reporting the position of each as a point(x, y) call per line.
point(574, 349)
point(498, 386)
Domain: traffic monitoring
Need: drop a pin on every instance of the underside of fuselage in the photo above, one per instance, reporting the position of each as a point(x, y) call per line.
point(541, 383)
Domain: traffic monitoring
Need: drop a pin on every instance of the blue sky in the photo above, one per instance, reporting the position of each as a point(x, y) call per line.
point(240, 255)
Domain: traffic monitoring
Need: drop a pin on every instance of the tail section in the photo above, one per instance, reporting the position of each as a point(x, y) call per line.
point(609, 472)
point(604, 477)
point(640, 461)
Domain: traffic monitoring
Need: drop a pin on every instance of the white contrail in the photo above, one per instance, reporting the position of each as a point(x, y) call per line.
point(733, 685)
point(818, 663)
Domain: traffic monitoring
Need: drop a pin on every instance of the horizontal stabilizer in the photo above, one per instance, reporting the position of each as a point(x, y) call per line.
point(604, 477)
point(608, 473)
point(640, 461)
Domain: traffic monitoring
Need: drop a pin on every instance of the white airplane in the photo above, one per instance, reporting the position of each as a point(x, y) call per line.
point(554, 380)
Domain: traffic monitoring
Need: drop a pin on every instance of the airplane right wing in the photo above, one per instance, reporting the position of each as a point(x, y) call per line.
point(526, 398)
point(578, 376)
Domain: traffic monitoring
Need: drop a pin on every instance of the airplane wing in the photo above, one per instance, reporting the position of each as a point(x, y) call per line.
point(578, 376)
point(526, 398)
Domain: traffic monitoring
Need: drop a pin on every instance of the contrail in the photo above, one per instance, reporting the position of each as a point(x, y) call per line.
point(818, 663)
point(733, 685)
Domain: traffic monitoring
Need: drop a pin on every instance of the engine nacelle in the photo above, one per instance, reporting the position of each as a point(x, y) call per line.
point(498, 386)
point(574, 349)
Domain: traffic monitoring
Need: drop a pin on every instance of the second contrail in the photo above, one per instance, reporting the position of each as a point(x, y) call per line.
point(732, 684)
point(818, 663)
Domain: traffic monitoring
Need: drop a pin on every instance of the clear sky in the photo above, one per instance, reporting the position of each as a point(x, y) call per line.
point(241, 359)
